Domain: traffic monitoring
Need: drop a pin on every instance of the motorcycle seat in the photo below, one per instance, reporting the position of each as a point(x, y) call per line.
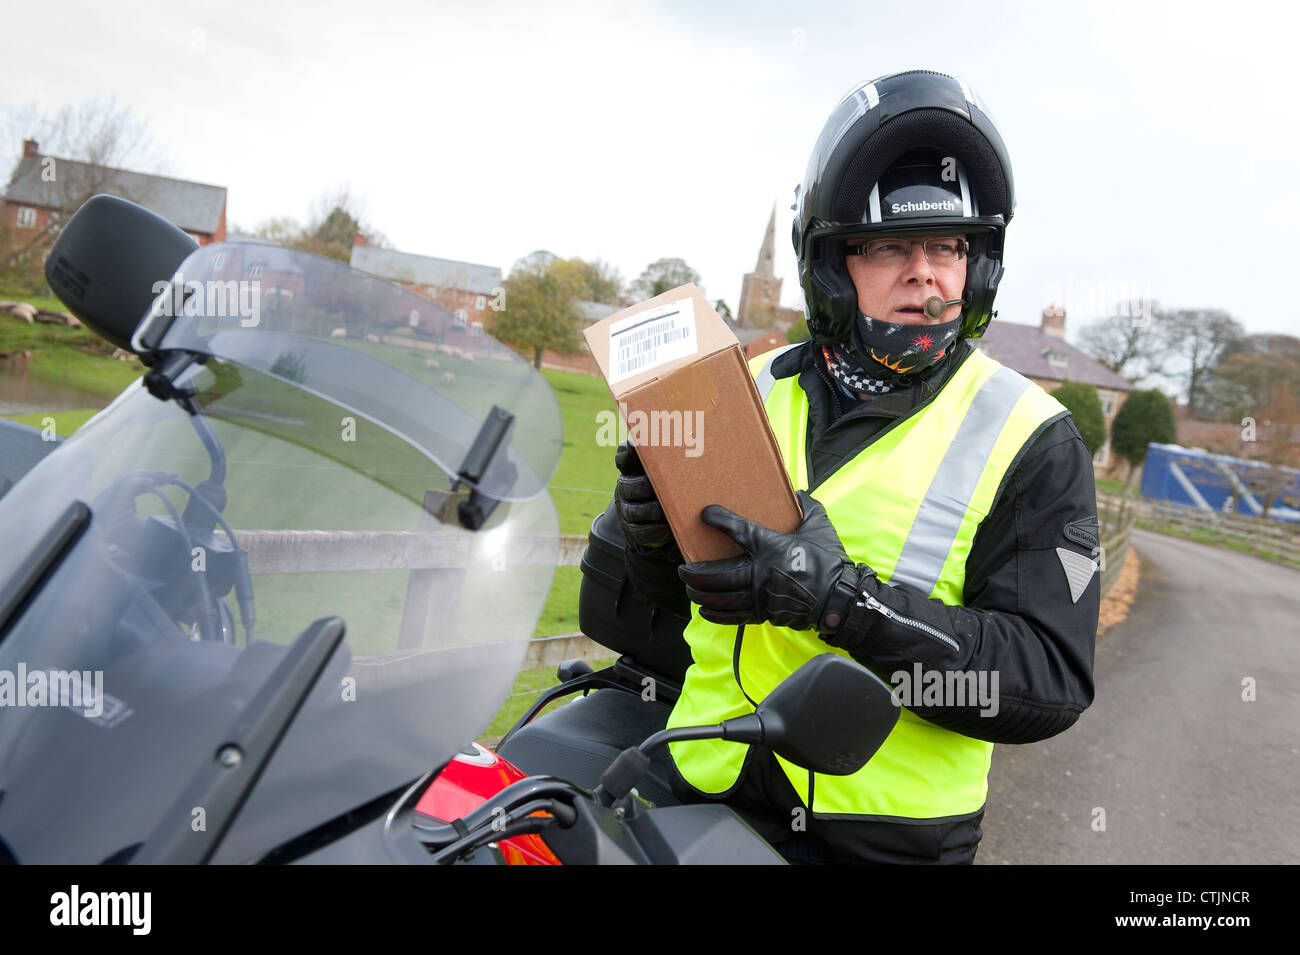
point(579, 740)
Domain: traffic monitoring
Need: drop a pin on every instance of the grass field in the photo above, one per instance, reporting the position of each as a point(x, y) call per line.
point(1115, 488)
point(65, 422)
point(45, 304)
point(71, 356)
point(529, 685)
point(584, 481)
point(1203, 536)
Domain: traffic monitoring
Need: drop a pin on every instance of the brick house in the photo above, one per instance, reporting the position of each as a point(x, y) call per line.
point(463, 291)
point(279, 280)
point(43, 188)
point(1043, 355)
point(758, 341)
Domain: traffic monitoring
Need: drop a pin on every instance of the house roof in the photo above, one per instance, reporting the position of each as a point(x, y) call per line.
point(247, 237)
point(1026, 349)
point(745, 335)
point(193, 206)
point(592, 312)
point(426, 270)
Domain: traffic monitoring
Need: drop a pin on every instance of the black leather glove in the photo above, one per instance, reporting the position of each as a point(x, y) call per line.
point(639, 512)
point(784, 579)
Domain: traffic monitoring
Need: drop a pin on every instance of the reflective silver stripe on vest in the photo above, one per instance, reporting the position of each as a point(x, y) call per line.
point(949, 494)
point(765, 382)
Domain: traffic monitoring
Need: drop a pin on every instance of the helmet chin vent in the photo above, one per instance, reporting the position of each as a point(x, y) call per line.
point(937, 128)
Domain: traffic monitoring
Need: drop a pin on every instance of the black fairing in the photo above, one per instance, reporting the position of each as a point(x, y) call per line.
point(107, 260)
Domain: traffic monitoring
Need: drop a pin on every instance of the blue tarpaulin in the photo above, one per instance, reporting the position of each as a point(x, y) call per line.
point(1214, 482)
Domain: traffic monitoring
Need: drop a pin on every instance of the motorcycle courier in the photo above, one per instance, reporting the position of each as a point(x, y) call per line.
point(365, 480)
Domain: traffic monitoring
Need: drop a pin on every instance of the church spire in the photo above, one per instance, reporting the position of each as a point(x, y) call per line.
point(767, 253)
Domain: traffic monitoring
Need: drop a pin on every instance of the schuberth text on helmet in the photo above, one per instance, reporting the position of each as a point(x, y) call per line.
point(907, 153)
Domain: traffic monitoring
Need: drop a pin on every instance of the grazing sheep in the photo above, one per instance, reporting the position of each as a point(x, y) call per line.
point(339, 333)
point(431, 363)
point(57, 318)
point(448, 377)
point(373, 339)
point(21, 310)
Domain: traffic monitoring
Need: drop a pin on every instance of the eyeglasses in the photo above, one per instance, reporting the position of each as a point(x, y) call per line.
point(944, 251)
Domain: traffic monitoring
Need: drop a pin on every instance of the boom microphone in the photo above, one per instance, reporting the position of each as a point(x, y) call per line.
point(934, 306)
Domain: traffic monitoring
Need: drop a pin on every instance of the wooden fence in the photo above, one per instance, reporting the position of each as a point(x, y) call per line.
point(1116, 528)
point(1262, 535)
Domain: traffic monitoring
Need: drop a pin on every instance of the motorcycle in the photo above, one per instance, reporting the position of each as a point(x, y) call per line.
point(310, 442)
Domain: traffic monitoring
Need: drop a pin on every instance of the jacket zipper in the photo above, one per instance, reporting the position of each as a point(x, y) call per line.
point(912, 622)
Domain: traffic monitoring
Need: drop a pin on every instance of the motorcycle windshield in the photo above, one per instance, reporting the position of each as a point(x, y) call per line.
point(381, 352)
point(125, 667)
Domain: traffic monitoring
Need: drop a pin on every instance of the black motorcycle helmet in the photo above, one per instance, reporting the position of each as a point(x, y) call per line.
point(911, 152)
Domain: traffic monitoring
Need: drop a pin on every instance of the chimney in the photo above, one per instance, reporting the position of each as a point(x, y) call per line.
point(31, 147)
point(1053, 321)
point(358, 240)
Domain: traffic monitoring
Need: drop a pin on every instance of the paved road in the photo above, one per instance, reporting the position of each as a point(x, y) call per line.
point(1184, 769)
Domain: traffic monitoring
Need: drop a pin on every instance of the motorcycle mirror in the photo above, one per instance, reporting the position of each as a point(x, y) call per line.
point(829, 716)
point(105, 263)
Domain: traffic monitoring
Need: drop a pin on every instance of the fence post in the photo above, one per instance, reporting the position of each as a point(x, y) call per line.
point(432, 596)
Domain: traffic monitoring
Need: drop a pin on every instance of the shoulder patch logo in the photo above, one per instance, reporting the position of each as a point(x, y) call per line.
point(1083, 531)
point(1078, 571)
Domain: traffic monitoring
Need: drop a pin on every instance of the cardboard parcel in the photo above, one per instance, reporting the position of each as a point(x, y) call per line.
point(689, 404)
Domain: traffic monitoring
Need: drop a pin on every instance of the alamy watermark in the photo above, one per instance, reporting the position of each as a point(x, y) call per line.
point(652, 429)
point(240, 299)
point(1086, 299)
point(127, 909)
point(75, 689)
point(958, 688)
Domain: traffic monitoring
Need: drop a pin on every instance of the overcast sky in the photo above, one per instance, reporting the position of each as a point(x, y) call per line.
point(1154, 144)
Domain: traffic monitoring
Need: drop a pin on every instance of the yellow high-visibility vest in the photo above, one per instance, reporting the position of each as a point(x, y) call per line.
point(908, 506)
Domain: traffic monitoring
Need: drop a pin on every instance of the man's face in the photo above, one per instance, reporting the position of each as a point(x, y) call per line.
point(893, 287)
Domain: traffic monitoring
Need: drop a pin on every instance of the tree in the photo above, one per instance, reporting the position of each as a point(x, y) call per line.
point(1273, 439)
point(1147, 417)
point(1196, 338)
point(1085, 408)
point(798, 332)
point(1126, 344)
point(1287, 346)
point(336, 218)
point(601, 282)
point(541, 293)
point(723, 309)
point(1249, 372)
point(335, 221)
point(282, 230)
point(662, 275)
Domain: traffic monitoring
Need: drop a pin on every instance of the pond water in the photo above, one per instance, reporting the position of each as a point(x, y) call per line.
point(21, 392)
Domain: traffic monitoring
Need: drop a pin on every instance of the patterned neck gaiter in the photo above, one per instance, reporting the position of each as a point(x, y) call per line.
point(853, 377)
point(880, 353)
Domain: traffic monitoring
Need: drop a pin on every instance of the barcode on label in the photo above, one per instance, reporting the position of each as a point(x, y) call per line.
point(651, 338)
